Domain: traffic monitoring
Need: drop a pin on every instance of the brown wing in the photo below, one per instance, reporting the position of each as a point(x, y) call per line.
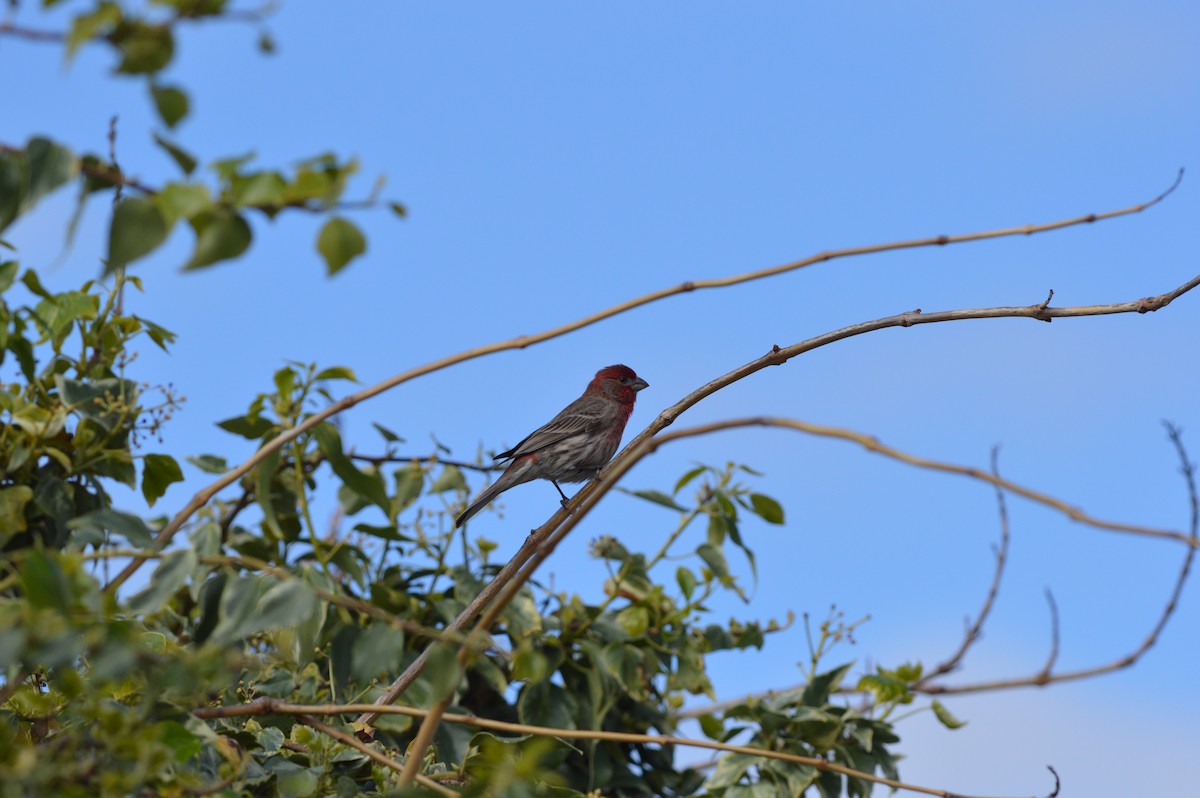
point(586, 414)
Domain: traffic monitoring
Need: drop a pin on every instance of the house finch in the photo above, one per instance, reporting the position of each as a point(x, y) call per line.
point(576, 443)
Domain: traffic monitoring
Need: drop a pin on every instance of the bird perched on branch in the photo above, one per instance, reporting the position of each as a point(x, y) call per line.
point(575, 444)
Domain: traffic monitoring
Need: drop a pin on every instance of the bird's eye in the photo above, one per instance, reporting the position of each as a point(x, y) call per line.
point(624, 380)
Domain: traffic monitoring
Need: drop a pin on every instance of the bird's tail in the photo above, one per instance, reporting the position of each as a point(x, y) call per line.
point(483, 499)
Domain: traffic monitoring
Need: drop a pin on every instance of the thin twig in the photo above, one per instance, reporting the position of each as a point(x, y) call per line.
point(428, 458)
point(206, 494)
point(31, 34)
point(1052, 657)
point(1041, 678)
point(975, 630)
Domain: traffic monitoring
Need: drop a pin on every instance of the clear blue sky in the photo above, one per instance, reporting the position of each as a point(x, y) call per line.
point(557, 159)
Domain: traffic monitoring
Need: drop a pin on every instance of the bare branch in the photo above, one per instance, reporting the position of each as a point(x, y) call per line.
point(432, 459)
point(976, 629)
point(1044, 677)
point(206, 494)
point(30, 34)
point(1052, 658)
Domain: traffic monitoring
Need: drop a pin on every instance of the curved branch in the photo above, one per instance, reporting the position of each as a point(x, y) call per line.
point(976, 629)
point(270, 706)
point(206, 494)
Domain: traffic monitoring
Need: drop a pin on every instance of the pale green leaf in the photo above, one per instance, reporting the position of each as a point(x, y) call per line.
point(339, 242)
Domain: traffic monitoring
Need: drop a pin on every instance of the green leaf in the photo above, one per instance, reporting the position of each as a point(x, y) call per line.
point(12, 509)
point(634, 619)
point(209, 463)
point(688, 477)
point(389, 532)
point(226, 168)
point(339, 242)
point(442, 669)
point(145, 49)
point(730, 769)
point(161, 336)
point(171, 102)
point(261, 189)
point(249, 427)
point(12, 185)
point(944, 715)
point(45, 583)
point(398, 209)
point(766, 508)
point(182, 744)
point(376, 652)
point(451, 478)
point(171, 574)
point(183, 200)
point(50, 165)
point(91, 528)
point(300, 783)
point(87, 26)
point(8, 273)
point(546, 704)
point(254, 603)
point(885, 686)
point(58, 314)
point(31, 281)
point(183, 159)
point(686, 581)
point(714, 558)
point(529, 664)
point(712, 726)
point(220, 235)
point(410, 480)
point(370, 487)
point(138, 228)
point(657, 497)
point(816, 694)
point(159, 471)
point(387, 434)
point(338, 373)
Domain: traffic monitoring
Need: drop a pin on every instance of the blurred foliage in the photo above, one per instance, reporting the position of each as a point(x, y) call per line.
point(218, 210)
point(257, 600)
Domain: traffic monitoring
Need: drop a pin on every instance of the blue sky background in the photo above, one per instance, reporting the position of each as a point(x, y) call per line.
point(557, 159)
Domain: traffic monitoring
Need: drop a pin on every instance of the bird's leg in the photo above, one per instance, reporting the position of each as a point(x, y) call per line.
point(560, 493)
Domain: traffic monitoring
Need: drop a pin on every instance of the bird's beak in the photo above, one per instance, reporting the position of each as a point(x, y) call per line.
point(639, 384)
